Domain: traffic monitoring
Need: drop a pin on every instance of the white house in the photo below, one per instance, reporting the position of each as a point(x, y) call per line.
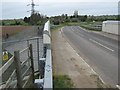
point(112, 27)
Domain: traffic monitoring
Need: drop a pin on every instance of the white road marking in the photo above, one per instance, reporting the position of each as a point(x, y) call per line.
point(101, 45)
point(87, 64)
point(85, 61)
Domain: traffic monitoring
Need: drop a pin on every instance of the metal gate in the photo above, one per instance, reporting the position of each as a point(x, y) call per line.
point(37, 44)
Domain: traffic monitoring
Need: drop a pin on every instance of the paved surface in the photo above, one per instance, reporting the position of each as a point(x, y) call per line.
point(100, 52)
point(109, 35)
point(67, 62)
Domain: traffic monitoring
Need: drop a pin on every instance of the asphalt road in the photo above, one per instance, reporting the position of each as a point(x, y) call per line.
point(100, 52)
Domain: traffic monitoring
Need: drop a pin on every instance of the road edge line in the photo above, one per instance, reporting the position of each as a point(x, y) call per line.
point(84, 60)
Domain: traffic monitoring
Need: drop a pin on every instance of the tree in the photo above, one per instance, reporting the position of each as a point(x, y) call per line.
point(118, 17)
point(66, 16)
point(3, 23)
point(35, 19)
point(56, 22)
point(27, 20)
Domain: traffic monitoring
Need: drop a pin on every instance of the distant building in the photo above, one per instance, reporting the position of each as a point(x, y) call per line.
point(76, 13)
point(111, 27)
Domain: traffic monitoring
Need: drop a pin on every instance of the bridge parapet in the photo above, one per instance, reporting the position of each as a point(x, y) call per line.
point(45, 79)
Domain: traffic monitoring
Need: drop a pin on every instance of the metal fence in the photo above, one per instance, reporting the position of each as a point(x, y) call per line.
point(12, 46)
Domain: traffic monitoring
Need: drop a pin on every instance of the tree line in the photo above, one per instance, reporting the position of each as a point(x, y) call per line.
point(64, 18)
point(39, 19)
point(34, 19)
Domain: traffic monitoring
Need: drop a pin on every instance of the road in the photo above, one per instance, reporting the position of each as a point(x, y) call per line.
point(100, 52)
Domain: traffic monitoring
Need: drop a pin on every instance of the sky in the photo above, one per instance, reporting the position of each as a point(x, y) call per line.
point(11, 9)
point(61, 0)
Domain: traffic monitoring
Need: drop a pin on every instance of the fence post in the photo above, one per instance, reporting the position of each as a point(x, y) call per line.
point(32, 64)
point(18, 69)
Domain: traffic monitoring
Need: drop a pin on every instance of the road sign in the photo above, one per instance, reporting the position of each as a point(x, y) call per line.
point(5, 55)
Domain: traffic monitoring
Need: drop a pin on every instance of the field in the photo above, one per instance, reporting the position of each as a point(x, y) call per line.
point(11, 30)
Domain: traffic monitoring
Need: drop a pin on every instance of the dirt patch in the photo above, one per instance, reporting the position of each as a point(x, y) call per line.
point(67, 62)
point(12, 29)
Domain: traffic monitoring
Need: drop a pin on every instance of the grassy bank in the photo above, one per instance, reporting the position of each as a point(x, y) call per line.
point(91, 29)
point(56, 27)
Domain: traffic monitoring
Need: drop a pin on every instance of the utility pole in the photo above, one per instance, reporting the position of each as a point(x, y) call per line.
point(32, 7)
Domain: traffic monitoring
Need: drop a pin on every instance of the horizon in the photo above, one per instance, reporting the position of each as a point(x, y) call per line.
point(57, 15)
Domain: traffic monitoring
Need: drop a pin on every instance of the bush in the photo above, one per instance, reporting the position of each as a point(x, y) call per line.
point(74, 20)
point(56, 22)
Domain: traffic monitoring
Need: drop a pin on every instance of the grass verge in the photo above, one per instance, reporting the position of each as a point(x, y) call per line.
point(77, 24)
point(56, 27)
point(62, 81)
point(91, 29)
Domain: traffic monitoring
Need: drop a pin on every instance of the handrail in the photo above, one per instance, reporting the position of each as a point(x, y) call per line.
point(21, 40)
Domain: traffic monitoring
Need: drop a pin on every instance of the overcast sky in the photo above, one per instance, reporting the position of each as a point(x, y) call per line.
point(12, 9)
point(61, 0)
